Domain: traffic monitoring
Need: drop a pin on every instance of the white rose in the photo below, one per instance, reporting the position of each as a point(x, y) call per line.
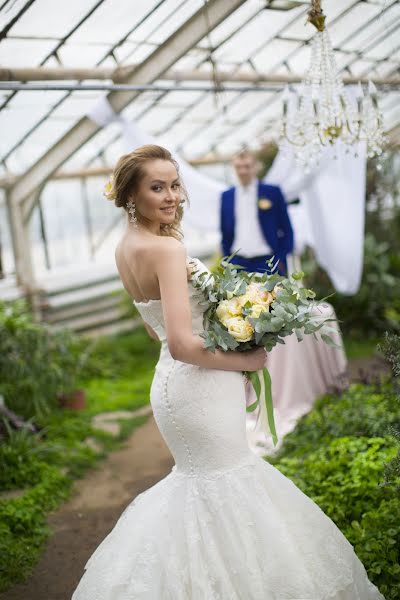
point(239, 328)
point(227, 309)
point(255, 294)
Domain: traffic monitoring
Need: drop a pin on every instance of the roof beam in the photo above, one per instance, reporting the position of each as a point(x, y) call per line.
point(119, 75)
point(176, 46)
point(8, 180)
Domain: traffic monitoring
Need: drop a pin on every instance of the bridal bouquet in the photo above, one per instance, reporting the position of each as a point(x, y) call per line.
point(245, 310)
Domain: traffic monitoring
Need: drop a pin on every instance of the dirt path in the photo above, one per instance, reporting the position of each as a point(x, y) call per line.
point(98, 500)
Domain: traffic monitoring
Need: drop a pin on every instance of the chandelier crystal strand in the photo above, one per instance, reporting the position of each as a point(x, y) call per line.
point(322, 113)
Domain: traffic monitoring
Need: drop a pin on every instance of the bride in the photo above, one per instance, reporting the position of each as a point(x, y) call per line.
point(224, 524)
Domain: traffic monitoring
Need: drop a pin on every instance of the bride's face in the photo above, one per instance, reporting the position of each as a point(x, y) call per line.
point(159, 192)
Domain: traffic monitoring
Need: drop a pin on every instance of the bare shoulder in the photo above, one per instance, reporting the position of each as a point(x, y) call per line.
point(167, 246)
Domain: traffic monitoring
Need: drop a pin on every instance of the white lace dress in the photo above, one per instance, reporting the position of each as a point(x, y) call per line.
point(224, 524)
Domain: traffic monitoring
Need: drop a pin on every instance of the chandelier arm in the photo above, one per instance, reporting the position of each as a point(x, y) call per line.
point(292, 142)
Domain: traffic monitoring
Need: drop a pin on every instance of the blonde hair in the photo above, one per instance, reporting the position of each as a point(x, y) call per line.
point(128, 173)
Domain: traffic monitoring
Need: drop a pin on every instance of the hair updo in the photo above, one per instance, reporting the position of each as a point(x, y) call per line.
point(128, 173)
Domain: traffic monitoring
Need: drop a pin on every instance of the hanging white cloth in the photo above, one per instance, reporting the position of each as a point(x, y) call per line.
point(332, 213)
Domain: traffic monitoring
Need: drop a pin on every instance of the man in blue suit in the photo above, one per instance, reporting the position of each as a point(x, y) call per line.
point(254, 220)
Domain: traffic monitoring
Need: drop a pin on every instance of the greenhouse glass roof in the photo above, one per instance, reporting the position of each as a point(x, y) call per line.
point(258, 38)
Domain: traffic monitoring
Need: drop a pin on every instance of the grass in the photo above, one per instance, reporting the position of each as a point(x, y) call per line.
point(360, 348)
point(117, 377)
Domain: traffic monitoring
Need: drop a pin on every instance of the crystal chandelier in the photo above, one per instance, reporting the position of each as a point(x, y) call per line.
point(322, 113)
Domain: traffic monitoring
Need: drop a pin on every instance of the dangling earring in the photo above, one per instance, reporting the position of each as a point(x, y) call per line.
point(130, 205)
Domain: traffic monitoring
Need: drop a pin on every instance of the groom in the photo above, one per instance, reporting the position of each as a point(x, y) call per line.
point(254, 220)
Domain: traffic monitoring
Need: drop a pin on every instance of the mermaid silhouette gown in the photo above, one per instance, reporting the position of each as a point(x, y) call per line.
point(224, 524)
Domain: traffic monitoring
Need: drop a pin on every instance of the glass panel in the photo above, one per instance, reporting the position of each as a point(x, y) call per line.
point(167, 19)
point(41, 18)
point(112, 21)
point(133, 53)
point(38, 143)
point(252, 36)
point(24, 53)
point(267, 59)
point(300, 61)
point(355, 18)
point(76, 106)
point(23, 111)
point(82, 55)
point(388, 15)
point(360, 67)
point(384, 49)
point(10, 12)
point(293, 21)
point(234, 22)
point(179, 99)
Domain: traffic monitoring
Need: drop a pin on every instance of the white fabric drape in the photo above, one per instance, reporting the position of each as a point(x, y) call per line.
point(330, 217)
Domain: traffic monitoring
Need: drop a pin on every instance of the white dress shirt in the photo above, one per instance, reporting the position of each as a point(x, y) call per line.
point(249, 239)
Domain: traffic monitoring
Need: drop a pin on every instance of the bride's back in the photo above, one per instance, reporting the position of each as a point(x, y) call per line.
point(135, 260)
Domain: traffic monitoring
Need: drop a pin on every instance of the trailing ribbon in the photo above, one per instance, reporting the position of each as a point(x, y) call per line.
point(261, 382)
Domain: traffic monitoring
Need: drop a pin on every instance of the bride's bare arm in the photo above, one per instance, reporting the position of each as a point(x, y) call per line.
point(182, 343)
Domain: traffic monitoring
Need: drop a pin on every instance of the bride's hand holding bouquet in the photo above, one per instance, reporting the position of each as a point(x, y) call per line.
point(249, 310)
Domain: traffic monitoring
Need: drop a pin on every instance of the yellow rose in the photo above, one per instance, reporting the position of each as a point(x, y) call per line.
point(257, 309)
point(228, 308)
point(257, 295)
point(240, 329)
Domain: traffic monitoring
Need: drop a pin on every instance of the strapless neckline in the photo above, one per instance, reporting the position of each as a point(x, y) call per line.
point(189, 259)
point(145, 302)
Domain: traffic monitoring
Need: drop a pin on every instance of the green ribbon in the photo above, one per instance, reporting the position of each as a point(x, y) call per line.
point(261, 382)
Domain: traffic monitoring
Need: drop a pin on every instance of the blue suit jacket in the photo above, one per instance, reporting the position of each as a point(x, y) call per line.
point(274, 221)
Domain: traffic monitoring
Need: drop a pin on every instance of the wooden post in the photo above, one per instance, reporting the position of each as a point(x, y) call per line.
point(23, 255)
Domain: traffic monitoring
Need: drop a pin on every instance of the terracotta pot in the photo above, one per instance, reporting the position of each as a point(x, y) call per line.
point(75, 400)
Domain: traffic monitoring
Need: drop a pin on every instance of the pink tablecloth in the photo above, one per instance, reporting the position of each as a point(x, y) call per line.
point(300, 373)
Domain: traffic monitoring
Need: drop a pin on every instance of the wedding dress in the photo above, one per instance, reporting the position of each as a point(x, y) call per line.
point(224, 524)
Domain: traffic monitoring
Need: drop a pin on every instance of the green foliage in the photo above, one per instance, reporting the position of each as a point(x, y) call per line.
point(376, 306)
point(116, 394)
point(360, 411)
point(390, 348)
point(23, 528)
point(359, 347)
point(129, 355)
point(342, 476)
point(338, 455)
point(19, 464)
point(116, 373)
point(35, 363)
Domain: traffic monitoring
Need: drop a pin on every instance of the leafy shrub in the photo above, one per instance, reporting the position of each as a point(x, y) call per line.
point(339, 455)
point(390, 348)
point(344, 479)
point(360, 411)
point(19, 464)
point(35, 363)
point(376, 540)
